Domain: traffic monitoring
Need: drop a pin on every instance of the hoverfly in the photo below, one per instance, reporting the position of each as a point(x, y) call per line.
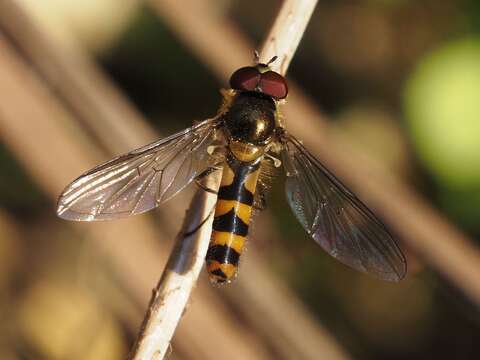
point(246, 134)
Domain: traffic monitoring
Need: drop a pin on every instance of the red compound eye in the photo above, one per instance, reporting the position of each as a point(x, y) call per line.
point(273, 84)
point(245, 78)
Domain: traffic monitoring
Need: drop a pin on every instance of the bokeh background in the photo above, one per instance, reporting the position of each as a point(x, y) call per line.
point(387, 93)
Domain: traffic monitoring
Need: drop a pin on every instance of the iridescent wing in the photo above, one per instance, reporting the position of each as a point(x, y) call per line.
point(141, 179)
point(336, 219)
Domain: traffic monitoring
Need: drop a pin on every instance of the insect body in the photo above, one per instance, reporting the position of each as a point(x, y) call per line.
point(247, 132)
point(250, 123)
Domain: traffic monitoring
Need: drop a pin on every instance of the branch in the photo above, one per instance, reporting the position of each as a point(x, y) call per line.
point(174, 288)
point(286, 33)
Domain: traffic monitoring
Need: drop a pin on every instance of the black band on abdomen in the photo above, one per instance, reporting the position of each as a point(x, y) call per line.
point(231, 223)
point(223, 254)
point(233, 192)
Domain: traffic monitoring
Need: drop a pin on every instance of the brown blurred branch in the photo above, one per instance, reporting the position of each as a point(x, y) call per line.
point(77, 81)
point(420, 226)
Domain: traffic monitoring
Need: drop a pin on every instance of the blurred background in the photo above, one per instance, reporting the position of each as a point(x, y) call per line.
point(386, 92)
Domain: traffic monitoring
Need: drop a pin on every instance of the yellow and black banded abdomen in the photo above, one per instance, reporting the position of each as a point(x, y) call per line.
point(232, 217)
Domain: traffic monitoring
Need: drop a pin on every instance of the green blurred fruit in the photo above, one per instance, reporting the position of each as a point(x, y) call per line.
point(442, 106)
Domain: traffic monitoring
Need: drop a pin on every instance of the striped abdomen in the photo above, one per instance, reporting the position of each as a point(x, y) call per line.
point(232, 217)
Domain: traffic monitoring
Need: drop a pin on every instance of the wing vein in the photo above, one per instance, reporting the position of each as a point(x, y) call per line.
point(336, 219)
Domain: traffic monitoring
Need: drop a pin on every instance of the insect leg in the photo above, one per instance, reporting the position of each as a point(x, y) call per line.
point(199, 178)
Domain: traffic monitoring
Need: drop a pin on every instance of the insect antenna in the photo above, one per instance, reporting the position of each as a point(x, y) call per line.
point(272, 60)
point(256, 58)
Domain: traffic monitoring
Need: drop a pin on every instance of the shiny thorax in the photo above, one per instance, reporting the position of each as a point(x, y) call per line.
point(251, 119)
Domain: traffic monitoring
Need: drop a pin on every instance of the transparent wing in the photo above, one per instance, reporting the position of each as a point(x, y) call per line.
point(336, 219)
point(267, 173)
point(141, 179)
